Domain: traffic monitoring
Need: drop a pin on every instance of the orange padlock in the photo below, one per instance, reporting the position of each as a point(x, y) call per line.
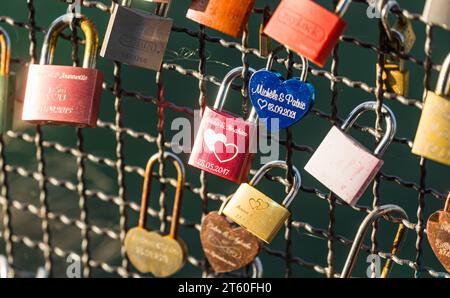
point(229, 17)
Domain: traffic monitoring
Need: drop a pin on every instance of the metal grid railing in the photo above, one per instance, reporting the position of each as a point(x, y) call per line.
point(42, 212)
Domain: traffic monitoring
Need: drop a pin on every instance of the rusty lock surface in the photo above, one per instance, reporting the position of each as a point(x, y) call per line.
point(149, 251)
point(438, 232)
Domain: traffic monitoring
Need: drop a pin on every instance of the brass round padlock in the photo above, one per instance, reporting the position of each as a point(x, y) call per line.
point(147, 250)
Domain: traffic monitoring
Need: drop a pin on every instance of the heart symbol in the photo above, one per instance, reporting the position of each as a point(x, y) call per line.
point(210, 137)
point(438, 232)
point(258, 204)
point(225, 152)
point(262, 103)
point(217, 143)
point(273, 98)
point(151, 252)
point(227, 248)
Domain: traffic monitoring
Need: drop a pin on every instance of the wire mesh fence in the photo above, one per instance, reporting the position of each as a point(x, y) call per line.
point(50, 249)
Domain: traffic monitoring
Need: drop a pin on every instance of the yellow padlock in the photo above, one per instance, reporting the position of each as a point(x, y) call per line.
point(255, 211)
point(433, 134)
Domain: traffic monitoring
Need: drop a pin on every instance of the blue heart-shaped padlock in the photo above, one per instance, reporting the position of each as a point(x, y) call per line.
point(288, 101)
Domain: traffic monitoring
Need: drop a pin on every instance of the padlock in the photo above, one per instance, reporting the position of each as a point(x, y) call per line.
point(400, 39)
point(280, 103)
point(229, 17)
point(432, 139)
point(148, 251)
point(308, 28)
point(438, 233)
point(402, 27)
point(345, 166)
point(225, 144)
point(255, 211)
point(397, 215)
point(58, 94)
point(395, 75)
point(136, 37)
point(437, 12)
point(7, 84)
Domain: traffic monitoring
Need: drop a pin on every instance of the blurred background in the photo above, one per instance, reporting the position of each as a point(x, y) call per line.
point(355, 62)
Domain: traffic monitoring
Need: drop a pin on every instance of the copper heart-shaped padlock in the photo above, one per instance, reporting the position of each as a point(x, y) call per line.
point(438, 232)
point(227, 248)
point(151, 252)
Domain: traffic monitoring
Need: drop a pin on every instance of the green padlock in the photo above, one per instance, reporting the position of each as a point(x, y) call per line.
point(7, 83)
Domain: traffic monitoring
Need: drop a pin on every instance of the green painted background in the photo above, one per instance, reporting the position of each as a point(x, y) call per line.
point(356, 63)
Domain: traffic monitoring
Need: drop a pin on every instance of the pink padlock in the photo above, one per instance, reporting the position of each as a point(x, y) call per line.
point(345, 166)
point(225, 144)
point(64, 95)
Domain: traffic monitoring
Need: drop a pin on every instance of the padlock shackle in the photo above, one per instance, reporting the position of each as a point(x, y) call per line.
point(443, 83)
point(5, 44)
point(447, 204)
point(398, 37)
point(271, 59)
point(57, 27)
point(283, 165)
point(342, 7)
point(257, 268)
point(146, 190)
point(391, 123)
point(225, 87)
point(385, 210)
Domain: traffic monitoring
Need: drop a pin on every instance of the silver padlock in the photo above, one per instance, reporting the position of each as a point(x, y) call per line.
point(437, 12)
point(136, 37)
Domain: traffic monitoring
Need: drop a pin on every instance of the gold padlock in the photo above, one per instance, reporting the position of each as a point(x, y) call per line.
point(148, 251)
point(401, 39)
point(255, 211)
point(432, 139)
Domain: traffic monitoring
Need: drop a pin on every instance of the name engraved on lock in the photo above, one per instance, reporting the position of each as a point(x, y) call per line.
point(224, 145)
point(151, 252)
point(62, 95)
point(226, 247)
point(256, 212)
point(302, 25)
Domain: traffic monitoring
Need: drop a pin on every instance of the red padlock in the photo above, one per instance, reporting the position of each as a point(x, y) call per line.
point(307, 28)
point(225, 144)
point(64, 94)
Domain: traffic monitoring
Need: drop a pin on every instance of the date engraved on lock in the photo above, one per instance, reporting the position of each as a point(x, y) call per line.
point(302, 25)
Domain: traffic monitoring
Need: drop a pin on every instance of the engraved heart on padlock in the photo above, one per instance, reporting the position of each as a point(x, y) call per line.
point(151, 252)
point(227, 248)
point(273, 98)
point(438, 232)
point(217, 143)
point(258, 204)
